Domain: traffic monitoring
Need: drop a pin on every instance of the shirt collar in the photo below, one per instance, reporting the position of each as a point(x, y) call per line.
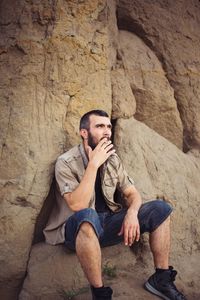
point(83, 154)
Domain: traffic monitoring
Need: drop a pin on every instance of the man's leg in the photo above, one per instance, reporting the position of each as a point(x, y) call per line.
point(154, 217)
point(82, 232)
point(160, 245)
point(89, 254)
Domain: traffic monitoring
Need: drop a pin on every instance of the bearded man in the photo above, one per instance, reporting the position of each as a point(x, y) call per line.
point(87, 217)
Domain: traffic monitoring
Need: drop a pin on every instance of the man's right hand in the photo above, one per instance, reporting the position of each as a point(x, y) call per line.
point(101, 152)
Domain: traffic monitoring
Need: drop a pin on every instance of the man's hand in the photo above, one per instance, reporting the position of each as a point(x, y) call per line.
point(101, 152)
point(130, 228)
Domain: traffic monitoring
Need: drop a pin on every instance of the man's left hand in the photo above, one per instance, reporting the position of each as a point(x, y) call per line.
point(130, 228)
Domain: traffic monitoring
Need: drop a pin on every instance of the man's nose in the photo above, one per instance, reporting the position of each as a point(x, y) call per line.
point(107, 131)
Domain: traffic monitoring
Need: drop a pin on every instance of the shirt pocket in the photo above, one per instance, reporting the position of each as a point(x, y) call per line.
point(109, 187)
point(111, 182)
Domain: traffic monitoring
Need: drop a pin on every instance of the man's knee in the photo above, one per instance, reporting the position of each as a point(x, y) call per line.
point(86, 213)
point(87, 230)
point(162, 207)
point(167, 220)
point(88, 223)
point(153, 214)
point(162, 211)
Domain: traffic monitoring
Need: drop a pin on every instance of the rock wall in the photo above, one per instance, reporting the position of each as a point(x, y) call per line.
point(137, 60)
point(171, 30)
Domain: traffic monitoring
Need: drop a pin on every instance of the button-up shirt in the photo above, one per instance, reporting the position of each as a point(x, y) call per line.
point(69, 171)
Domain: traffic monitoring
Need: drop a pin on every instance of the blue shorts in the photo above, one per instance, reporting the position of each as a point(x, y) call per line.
point(107, 225)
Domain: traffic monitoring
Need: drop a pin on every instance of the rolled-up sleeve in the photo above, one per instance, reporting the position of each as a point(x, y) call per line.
point(65, 178)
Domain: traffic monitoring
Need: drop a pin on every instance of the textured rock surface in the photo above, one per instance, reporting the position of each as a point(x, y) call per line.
point(160, 169)
point(156, 105)
point(49, 284)
point(59, 59)
point(54, 67)
point(124, 104)
point(171, 30)
point(176, 177)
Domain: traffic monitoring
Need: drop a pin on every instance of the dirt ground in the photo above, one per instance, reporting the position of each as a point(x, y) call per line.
point(129, 286)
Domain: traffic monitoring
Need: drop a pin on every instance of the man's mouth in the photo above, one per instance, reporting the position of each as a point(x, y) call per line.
point(107, 137)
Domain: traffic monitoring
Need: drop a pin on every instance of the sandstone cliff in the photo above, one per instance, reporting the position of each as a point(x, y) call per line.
point(139, 61)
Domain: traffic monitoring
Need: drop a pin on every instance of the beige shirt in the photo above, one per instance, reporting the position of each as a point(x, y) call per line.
point(69, 171)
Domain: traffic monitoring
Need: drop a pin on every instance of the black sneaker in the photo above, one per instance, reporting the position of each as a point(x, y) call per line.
point(103, 293)
point(161, 283)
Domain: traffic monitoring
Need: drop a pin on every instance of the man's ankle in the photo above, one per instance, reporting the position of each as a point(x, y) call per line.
point(160, 270)
point(97, 287)
point(101, 293)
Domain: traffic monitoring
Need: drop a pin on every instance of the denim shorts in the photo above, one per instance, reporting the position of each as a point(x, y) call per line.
point(107, 225)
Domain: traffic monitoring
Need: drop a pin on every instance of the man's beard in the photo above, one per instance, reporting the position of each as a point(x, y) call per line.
point(91, 141)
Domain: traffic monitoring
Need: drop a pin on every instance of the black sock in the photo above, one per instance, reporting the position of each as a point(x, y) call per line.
point(158, 270)
point(97, 288)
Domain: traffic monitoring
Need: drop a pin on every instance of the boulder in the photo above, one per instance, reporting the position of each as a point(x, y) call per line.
point(160, 169)
point(60, 274)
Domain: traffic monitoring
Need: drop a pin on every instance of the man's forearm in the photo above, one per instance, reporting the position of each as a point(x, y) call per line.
point(130, 227)
point(80, 197)
point(133, 199)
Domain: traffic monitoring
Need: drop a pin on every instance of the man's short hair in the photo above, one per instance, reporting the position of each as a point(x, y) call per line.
point(85, 119)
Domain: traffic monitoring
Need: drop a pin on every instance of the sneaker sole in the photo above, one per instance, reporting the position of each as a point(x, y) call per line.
point(152, 290)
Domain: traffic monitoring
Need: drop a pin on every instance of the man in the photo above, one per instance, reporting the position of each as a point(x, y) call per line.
point(86, 216)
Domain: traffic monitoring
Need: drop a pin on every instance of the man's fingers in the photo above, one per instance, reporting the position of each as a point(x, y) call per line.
point(133, 235)
point(126, 237)
point(121, 230)
point(130, 236)
point(107, 143)
point(103, 141)
point(109, 147)
point(137, 234)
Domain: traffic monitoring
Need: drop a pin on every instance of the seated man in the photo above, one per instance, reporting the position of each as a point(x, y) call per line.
point(86, 217)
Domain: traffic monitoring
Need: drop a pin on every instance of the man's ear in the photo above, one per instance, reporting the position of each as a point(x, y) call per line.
point(84, 133)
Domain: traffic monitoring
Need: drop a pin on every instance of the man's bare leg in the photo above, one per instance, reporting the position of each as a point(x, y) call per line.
point(89, 254)
point(161, 283)
point(160, 245)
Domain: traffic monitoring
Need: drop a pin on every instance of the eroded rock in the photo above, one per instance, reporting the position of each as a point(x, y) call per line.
point(171, 30)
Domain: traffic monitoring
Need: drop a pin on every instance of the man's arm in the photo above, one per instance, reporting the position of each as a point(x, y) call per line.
point(130, 227)
point(80, 197)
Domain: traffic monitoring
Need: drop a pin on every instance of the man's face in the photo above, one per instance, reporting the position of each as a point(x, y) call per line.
point(99, 128)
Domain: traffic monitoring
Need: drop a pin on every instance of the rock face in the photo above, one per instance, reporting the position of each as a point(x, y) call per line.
point(159, 168)
point(156, 106)
point(51, 285)
point(171, 30)
point(54, 67)
point(59, 59)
